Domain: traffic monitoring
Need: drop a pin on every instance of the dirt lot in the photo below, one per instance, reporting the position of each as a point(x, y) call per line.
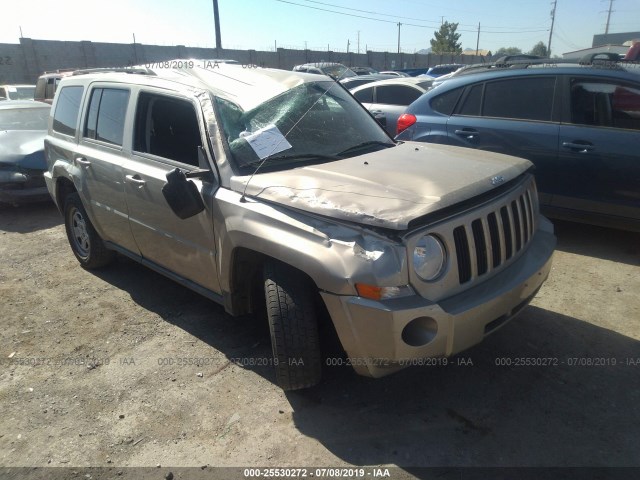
point(98, 369)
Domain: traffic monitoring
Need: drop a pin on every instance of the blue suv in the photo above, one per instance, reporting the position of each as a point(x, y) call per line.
point(579, 125)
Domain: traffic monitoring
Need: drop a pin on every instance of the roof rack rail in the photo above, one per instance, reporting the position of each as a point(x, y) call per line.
point(591, 58)
point(132, 70)
point(59, 70)
point(508, 59)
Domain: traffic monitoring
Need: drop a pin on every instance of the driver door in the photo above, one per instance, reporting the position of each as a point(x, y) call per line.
point(167, 135)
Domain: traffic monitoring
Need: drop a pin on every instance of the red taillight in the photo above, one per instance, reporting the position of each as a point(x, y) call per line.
point(405, 121)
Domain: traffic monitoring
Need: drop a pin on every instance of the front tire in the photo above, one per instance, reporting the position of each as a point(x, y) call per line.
point(291, 312)
point(85, 242)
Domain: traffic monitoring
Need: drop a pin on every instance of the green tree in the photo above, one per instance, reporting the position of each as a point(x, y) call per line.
point(446, 39)
point(539, 49)
point(501, 52)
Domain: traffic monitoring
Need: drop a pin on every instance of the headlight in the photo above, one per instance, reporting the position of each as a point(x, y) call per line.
point(429, 258)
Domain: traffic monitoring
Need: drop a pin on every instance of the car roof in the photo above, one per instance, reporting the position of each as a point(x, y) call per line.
point(394, 81)
point(17, 85)
point(372, 77)
point(246, 87)
point(535, 70)
point(447, 65)
point(13, 104)
point(319, 64)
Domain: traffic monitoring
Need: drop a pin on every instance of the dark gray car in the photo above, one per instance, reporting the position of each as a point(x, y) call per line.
point(23, 126)
point(579, 125)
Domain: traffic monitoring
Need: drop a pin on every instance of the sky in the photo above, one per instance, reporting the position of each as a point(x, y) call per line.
point(320, 24)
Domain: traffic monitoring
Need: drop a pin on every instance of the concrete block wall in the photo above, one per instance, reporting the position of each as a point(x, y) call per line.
point(26, 61)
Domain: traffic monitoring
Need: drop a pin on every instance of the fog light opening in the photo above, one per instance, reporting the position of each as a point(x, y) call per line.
point(420, 331)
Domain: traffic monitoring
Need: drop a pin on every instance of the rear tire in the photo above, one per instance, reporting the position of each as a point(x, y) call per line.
point(291, 312)
point(85, 242)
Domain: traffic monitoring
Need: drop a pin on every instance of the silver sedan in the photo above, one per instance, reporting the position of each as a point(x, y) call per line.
point(388, 99)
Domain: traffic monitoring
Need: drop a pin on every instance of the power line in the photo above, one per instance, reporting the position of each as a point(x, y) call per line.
point(369, 11)
point(390, 21)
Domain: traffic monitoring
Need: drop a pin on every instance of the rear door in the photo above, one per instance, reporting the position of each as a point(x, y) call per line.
point(600, 147)
point(166, 135)
point(515, 116)
point(99, 158)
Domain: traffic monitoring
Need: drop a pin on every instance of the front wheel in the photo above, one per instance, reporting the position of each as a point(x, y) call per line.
point(85, 242)
point(291, 312)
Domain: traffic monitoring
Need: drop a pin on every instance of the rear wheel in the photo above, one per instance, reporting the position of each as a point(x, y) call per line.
point(85, 242)
point(293, 325)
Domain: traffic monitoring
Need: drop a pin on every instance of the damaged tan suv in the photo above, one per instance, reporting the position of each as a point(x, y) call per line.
point(257, 185)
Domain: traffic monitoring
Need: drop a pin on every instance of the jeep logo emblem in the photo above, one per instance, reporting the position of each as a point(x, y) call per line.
point(497, 180)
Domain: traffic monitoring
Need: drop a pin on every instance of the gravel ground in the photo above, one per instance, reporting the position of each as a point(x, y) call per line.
point(122, 367)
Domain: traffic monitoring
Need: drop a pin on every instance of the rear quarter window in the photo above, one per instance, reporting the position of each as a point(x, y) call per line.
point(65, 117)
point(446, 102)
point(365, 95)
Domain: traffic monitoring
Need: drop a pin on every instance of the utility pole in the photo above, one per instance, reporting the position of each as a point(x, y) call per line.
point(358, 42)
point(478, 40)
point(216, 19)
point(348, 43)
point(553, 19)
point(606, 30)
point(399, 25)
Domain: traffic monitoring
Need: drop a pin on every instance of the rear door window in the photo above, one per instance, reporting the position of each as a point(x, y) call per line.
point(106, 115)
point(472, 101)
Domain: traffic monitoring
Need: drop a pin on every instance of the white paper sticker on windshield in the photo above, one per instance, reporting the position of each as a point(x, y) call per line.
point(267, 141)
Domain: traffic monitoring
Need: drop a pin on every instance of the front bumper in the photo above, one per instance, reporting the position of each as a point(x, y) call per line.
point(381, 337)
point(22, 187)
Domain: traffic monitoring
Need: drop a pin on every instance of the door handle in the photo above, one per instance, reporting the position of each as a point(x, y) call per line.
point(468, 133)
point(83, 161)
point(377, 113)
point(579, 146)
point(135, 179)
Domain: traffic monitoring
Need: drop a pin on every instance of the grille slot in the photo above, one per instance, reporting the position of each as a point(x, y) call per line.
point(481, 246)
point(486, 242)
point(462, 252)
point(494, 232)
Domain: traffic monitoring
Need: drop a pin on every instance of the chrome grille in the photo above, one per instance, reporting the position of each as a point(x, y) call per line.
point(486, 242)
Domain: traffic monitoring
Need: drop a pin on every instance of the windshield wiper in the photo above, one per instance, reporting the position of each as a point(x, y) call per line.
point(301, 156)
point(362, 145)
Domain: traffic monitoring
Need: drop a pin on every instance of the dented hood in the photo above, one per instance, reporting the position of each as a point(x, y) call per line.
point(387, 188)
point(23, 148)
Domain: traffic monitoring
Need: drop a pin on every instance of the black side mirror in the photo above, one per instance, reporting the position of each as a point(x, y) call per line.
point(182, 195)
